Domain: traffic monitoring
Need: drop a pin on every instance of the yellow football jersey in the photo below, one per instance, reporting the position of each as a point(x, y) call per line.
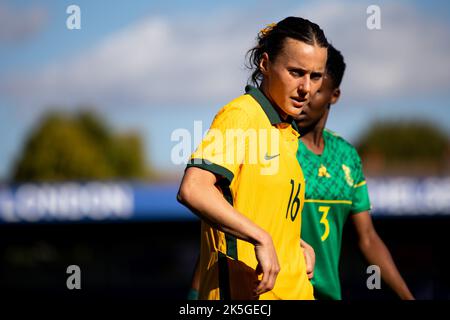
point(255, 151)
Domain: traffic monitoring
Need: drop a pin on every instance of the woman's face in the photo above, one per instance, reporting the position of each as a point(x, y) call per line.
point(294, 76)
point(314, 111)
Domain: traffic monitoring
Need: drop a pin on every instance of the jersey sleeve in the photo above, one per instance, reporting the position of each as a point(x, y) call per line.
point(222, 151)
point(361, 200)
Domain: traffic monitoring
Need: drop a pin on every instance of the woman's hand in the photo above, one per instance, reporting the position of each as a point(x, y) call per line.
point(268, 265)
point(310, 258)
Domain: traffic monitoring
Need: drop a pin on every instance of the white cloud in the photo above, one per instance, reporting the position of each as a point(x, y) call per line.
point(410, 55)
point(155, 62)
point(160, 62)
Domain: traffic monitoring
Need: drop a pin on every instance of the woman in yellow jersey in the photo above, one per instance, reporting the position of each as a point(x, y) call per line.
point(244, 180)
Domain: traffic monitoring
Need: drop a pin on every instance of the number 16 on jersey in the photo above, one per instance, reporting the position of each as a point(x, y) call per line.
point(294, 203)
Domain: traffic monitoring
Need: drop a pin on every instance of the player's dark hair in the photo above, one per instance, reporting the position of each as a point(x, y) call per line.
point(335, 66)
point(271, 40)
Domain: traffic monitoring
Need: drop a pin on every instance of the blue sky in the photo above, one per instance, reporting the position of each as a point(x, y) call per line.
point(155, 66)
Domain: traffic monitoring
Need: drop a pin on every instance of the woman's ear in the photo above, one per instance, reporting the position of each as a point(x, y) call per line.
point(264, 63)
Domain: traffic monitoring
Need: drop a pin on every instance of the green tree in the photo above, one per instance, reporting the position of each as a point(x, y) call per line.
point(405, 148)
point(79, 147)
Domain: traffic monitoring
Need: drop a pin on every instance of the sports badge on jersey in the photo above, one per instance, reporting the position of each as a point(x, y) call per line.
point(348, 175)
point(323, 172)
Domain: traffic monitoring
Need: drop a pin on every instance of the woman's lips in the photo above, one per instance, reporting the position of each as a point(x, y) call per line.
point(298, 103)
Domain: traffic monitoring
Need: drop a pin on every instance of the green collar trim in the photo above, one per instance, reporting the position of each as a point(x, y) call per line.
point(269, 109)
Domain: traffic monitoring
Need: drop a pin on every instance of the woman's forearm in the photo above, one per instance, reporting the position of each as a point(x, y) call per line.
point(198, 193)
point(378, 254)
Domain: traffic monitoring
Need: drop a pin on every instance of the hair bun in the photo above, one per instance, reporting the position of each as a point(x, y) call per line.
point(265, 31)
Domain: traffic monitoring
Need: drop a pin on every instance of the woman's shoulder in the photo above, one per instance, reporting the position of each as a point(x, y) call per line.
point(243, 106)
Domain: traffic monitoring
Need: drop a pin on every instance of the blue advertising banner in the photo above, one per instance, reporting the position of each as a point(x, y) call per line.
point(404, 196)
point(91, 201)
point(123, 201)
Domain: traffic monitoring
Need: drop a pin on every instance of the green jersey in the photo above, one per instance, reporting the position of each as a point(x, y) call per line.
point(335, 188)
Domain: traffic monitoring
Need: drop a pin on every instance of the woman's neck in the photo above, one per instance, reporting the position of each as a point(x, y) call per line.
point(313, 139)
point(263, 88)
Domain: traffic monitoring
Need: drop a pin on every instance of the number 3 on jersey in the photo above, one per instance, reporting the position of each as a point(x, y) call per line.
point(324, 221)
point(295, 202)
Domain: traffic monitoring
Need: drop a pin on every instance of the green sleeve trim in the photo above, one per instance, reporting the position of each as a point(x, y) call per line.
point(231, 241)
point(361, 200)
point(211, 167)
point(360, 210)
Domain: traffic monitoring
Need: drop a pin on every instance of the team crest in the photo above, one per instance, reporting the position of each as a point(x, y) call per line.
point(348, 175)
point(323, 172)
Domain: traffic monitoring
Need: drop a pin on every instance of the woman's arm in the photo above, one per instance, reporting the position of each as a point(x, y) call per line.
point(377, 253)
point(199, 193)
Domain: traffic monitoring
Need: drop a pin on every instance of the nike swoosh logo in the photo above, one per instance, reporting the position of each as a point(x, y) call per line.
point(267, 157)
